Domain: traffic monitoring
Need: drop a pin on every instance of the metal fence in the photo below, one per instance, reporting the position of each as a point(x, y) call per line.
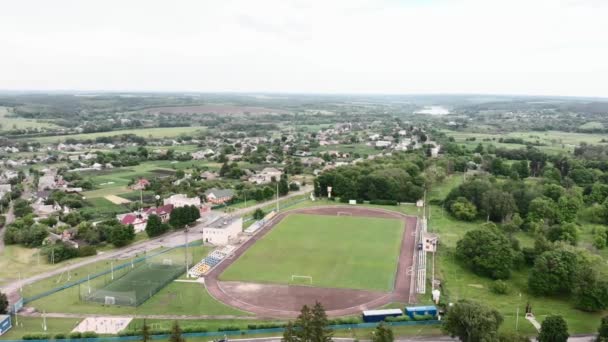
point(230, 333)
point(99, 274)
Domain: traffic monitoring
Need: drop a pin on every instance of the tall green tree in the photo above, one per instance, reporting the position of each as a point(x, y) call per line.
point(553, 329)
point(283, 185)
point(487, 252)
point(472, 321)
point(145, 333)
point(290, 334)
point(320, 323)
point(154, 226)
point(176, 333)
point(602, 335)
point(554, 272)
point(3, 304)
point(382, 333)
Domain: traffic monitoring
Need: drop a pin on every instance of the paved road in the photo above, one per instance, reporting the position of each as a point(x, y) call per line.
point(168, 240)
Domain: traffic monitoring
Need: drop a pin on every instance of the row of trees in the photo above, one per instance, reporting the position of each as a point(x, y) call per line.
point(396, 178)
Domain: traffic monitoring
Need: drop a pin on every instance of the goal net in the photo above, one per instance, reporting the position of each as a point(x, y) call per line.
point(300, 280)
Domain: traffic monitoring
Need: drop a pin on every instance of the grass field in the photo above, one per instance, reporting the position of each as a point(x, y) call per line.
point(161, 132)
point(337, 251)
point(553, 141)
point(11, 123)
point(34, 325)
point(136, 286)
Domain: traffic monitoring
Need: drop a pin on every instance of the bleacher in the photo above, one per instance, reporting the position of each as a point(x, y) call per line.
point(212, 259)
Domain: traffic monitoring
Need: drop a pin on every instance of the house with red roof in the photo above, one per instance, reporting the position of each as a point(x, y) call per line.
point(141, 184)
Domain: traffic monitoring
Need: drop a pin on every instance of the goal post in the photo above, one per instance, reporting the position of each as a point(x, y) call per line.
point(301, 279)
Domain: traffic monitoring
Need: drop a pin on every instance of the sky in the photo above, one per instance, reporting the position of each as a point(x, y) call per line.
point(532, 47)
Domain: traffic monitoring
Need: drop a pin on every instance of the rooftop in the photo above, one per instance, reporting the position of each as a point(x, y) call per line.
point(222, 222)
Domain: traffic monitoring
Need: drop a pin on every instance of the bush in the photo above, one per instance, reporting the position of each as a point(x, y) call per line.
point(499, 287)
point(60, 336)
point(403, 318)
point(384, 202)
point(229, 328)
point(75, 335)
point(36, 337)
point(423, 317)
point(89, 334)
point(85, 251)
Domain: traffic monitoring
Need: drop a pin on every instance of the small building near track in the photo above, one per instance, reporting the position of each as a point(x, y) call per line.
point(222, 230)
point(5, 324)
point(380, 315)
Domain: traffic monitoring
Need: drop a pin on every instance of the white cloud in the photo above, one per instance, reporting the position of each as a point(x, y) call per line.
point(523, 47)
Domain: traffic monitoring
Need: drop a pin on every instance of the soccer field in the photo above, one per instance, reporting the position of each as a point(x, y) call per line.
point(336, 251)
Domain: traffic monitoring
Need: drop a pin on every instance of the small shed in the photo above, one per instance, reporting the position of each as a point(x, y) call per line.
point(380, 315)
point(5, 324)
point(421, 310)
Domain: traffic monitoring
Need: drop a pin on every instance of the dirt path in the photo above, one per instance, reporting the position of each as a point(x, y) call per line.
point(285, 301)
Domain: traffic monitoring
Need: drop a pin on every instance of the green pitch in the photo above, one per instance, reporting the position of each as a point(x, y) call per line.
point(336, 251)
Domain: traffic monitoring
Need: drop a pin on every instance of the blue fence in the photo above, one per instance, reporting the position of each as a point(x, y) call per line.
point(99, 274)
point(230, 333)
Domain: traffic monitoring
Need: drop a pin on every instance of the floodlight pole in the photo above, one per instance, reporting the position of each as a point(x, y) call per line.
point(277, 197)
point(112, 269)
point(44, 320)
point(186, 237)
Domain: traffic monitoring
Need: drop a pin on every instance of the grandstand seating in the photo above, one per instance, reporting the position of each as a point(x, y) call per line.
point(214, 258)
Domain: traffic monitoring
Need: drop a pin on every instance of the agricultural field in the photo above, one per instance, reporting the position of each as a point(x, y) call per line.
point(336, 251)
point(8, 123)
point(215, 109)
point(553, 141)
point(158, 132)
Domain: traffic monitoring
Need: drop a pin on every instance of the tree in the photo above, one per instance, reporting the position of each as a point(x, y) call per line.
point(590, 293)
point(498, 205)
point(122, 235)
point(472, 321)
point(569, 207)
point(155, 227)
point(383, 333)
point(290, 334)
point(567, 232)
point(602, 335)
point(553, 272)
point(321, 332)
point(3, 304)
point(258, 214)
point(521, 168)
point(463, 209)
point(145, 333)
point(553, 329)
point(487, 252)
point(176, 333)
point(283, 186)
point(543, 208)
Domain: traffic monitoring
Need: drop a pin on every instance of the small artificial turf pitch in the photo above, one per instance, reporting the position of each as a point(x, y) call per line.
point(336, 251)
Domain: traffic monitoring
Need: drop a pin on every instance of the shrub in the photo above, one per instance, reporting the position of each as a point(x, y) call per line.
point(499, 287)
point(384, 202)
point(60, 336)
point(228, 328)
point(85, 251)
point(75, 335)
point(403, 318)
point(89, 334)
point(36, 337)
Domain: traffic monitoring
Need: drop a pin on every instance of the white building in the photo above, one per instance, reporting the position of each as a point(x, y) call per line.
point(223, 230)
point(181, 200)
point(266, 176)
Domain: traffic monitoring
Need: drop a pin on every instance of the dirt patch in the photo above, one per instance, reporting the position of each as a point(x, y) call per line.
point(117, 200)
point(266, 300)
point(215, 109)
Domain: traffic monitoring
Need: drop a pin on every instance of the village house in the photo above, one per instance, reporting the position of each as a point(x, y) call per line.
point(140, 184)
point(219, 196)
point(266, 176)
point(181, 200)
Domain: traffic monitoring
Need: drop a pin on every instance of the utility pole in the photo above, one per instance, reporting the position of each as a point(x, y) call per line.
point(277, 197)
point(112, 269)
point(186, 252)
